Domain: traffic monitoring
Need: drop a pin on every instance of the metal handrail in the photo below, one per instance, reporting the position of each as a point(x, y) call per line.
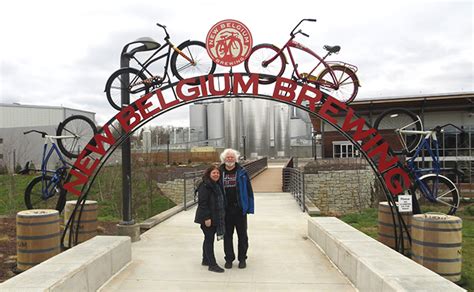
point(293, 182)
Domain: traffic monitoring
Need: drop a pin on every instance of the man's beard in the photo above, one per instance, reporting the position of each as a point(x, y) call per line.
point(230, 164)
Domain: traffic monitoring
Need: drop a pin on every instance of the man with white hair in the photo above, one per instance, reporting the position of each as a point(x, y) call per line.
point(238, 202)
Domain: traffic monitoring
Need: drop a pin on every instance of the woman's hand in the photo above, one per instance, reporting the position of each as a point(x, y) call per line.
point(208, 223)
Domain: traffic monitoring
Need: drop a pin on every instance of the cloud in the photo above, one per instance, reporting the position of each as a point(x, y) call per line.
point(61, 53)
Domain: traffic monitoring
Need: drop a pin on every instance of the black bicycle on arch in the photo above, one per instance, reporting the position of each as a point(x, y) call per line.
point(189, 59)
point(46, 190)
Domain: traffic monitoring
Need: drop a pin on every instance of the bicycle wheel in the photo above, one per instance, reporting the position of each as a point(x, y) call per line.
point(442, 191)
point(53, 199)
point(261, 53)
point(391, 121)
point(83, 130)
point(347, 87)
point(128, 80)
point(202, 63)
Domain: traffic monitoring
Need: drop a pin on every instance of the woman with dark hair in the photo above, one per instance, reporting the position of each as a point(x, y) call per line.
point(210, 214)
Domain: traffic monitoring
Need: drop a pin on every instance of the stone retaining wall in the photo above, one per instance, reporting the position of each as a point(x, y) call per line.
point(339, 186)
point(174, 190)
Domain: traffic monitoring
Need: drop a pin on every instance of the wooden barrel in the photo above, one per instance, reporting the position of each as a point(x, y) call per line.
point(436, 244)
point(37, 237)
point(87, 227)
point(386, 234)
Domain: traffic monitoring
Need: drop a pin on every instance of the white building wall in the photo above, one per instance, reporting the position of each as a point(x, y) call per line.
point(17, 148)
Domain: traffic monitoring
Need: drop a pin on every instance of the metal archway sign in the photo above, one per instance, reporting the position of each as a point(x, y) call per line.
point(387, 167)
point(385, 164)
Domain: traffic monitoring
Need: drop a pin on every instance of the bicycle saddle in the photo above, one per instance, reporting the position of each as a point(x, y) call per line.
point(332, 49)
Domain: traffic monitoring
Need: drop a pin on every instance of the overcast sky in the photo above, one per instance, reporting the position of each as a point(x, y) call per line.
point(62, 52)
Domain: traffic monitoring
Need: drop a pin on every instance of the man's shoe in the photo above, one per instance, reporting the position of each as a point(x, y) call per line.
point(242, 264)
point(204, 263)
point(216, 269)
point(228, 265)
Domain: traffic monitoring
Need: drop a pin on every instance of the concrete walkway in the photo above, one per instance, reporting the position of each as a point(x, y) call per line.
point(280, 256)
point(268, 181)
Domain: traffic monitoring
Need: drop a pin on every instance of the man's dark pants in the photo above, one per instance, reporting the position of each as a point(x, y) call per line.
point(234, 219)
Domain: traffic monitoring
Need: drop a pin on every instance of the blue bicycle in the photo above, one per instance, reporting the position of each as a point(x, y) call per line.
point(404, 132)
point(46, 191)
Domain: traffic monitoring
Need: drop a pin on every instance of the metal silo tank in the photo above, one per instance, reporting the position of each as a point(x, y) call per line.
point(215, 122)
point(232, 123)
point(256, 116)
point(198, 120)
point(282, 134)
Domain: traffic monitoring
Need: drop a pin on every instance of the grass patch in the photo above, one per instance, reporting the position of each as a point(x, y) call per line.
point(12, 189)
point(147, 199)
point(366, 221)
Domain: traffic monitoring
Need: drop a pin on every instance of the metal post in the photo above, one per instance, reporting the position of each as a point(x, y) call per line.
point(126, 155)
point(245, 153)
point(184, 187)
point(168, 151)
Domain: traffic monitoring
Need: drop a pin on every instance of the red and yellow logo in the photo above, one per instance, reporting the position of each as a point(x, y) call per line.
point(229, 42)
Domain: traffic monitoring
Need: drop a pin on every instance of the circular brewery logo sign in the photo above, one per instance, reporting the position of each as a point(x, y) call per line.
point(229, 42)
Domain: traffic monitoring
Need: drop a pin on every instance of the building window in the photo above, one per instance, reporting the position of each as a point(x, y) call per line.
point(1, 156)
point(344, 149)
point(1, 140)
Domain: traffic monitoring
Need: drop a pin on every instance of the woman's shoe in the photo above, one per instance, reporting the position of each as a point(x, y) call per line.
point(216, 269)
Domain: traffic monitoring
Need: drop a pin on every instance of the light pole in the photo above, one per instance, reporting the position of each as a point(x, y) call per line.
point(127, 226)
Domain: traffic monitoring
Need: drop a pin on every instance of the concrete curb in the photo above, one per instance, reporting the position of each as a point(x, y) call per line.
point(84, 267)
point(157, 219)
point(369, 264)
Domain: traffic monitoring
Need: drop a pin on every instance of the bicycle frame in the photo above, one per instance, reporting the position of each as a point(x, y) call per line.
point(144, 66)
point(429, 139)
point(152, 59)
point(46, 188)
point(294, 44)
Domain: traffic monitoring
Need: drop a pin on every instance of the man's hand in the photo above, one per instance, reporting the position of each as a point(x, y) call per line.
point(208, 223)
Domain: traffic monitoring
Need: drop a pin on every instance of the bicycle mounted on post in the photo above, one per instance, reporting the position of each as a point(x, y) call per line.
point(338, 79)
point(46, 191)
point(431, 189)
point(189, 59)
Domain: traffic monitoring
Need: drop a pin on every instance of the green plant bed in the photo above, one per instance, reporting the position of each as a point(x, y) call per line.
point(366, 221)
point(12, 189)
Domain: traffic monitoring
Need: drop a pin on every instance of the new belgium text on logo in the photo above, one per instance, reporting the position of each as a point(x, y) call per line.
point(229, 42)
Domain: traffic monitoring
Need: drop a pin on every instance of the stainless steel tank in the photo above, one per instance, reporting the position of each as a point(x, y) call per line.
point(215, 123)
point(257, 127)
point(232, 123)
point(282, 134)
point(146, 141)
point(198, 121)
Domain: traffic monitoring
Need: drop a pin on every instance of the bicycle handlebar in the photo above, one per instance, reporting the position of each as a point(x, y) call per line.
point(292, 33)
point(438, 128)
point(305, 34)
point(164, 28)
point(43, 134)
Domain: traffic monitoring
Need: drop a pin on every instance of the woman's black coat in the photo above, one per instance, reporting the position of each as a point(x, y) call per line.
point(207, 203)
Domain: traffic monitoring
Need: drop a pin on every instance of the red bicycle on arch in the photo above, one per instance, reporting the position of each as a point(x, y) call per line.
point(338, 79)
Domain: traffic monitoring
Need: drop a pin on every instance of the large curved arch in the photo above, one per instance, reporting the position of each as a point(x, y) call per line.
point(388, 169)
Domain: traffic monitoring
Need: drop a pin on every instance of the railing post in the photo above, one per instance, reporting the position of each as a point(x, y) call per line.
point(303, 191)
point(184, 192)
